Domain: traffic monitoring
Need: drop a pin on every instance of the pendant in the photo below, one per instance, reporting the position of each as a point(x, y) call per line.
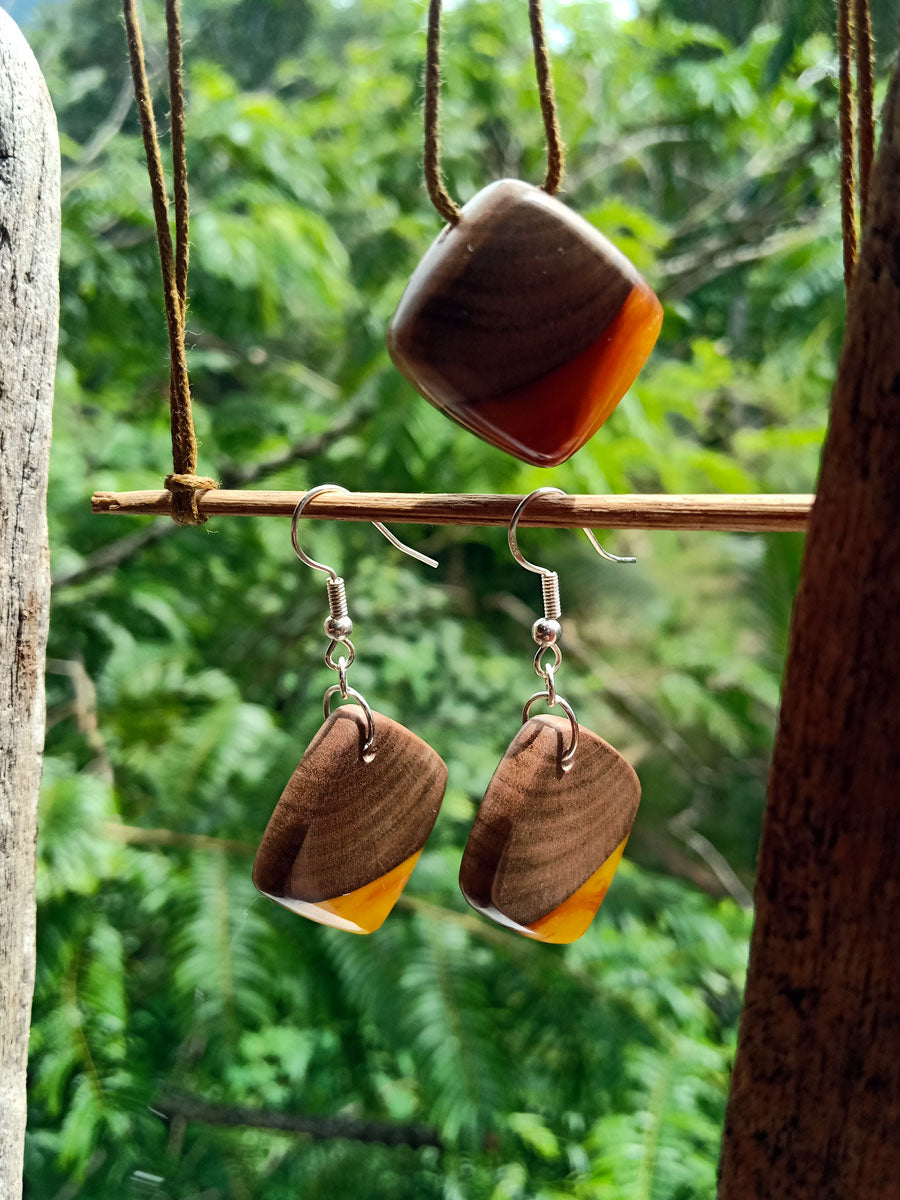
point(547, 840)
point(346, 833)
point(524, 324)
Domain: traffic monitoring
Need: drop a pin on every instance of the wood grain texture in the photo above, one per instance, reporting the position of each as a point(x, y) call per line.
point(740, 513)
point(29, 311)
point(542, 833)
point(512, 323)
point(343, 825)
point(814, 1111)
point(518, 287)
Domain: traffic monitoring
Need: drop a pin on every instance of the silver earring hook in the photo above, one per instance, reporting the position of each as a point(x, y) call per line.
point(338, 624)
point(546, 630)
point(382, 529)
point(545, 571)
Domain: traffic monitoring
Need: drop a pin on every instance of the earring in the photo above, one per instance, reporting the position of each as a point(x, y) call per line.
point(355, 815)
point(557, 813)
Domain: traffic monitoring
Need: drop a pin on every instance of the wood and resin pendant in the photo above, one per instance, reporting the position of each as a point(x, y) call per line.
point(546, 842)
point(346, 833)
point(524, 324)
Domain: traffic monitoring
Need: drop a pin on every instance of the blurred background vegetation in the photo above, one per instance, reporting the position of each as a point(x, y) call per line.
point(185, 673)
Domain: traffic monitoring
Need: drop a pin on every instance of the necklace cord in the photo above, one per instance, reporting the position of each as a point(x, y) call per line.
point(434, 179)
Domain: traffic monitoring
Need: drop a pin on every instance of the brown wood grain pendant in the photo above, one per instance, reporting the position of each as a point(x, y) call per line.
point(546, 842)
point(524, 324)
point(346, 834)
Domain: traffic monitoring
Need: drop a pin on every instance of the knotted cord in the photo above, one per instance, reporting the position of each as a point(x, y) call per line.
point(184, 484)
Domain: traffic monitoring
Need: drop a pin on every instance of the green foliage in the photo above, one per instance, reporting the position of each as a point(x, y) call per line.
point(188, 673)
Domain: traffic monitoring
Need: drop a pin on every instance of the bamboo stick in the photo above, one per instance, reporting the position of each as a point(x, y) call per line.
point(751, 513)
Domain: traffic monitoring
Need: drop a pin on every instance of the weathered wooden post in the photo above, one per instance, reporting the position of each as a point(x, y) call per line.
point(814, 1112)
point(29, 316)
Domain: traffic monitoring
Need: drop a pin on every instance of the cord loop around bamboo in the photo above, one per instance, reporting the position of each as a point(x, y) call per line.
point(186, 491)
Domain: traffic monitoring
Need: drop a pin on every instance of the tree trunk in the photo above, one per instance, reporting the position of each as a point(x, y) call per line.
point(29, 315)
point(814, 1110)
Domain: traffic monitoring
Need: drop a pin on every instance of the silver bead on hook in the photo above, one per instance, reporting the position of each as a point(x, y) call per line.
point(338, 624)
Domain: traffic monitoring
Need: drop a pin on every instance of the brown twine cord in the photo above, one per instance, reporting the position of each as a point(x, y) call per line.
point(865, 87)
point(184, 484)
point(179, 155)
point(555, 149)
point(848, 156)
point(855, 32)
point(434, 180)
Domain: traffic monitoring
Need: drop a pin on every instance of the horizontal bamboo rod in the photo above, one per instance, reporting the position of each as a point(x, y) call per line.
point(735, 514)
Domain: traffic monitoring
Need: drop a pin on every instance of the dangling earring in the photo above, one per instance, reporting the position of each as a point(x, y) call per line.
point(352, 821)
point(558, 811)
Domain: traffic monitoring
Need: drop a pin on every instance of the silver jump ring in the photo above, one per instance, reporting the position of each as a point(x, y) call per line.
point(368, 752)
point(569, 755)
point(342, 677)
point(329, 654)
point(539, 667)
point(550, 676)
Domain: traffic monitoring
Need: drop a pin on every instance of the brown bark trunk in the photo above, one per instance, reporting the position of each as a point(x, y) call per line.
point(814, 1110)
point(29, 310)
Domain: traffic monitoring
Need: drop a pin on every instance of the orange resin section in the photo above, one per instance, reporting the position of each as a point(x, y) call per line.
point(569, 920)
point(547, 421)
point(362, 911)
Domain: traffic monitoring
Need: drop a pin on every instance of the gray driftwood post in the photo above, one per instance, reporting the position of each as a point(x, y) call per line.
point(814, 1112)
point(29, 315)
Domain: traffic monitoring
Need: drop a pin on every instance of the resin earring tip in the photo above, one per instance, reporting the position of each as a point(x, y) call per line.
point(346, 834)
point(546, 842)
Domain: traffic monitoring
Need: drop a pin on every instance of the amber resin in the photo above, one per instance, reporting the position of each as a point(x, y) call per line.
point(524, 324)
point(346, 834)
point(568, 921)
point(361, 911)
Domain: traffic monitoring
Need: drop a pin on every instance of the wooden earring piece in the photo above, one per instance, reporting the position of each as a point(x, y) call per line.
point(524, 324)
point(546, 842)
point(346, 834)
